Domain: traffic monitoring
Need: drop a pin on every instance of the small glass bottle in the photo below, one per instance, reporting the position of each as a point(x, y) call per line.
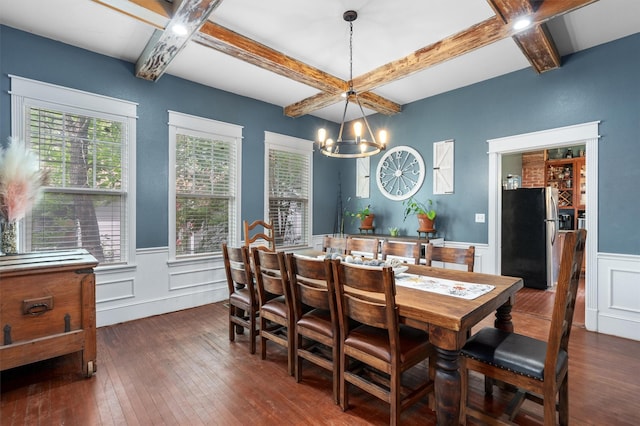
point(569, 153)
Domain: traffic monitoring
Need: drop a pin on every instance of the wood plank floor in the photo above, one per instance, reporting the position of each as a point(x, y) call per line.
point(180, 369)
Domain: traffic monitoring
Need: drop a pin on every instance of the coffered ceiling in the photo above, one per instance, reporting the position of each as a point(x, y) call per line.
point(295, 53)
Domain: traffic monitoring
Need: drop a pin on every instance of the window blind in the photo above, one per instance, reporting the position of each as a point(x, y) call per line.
point(205, 182)
point(84, 202)
point(289, 183)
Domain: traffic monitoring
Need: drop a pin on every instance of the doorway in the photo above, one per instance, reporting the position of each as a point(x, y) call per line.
point(586, 134)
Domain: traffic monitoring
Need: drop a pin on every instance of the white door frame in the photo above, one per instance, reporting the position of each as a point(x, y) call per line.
point(586, 133)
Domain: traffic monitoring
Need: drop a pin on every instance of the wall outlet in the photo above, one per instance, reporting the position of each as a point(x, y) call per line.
point(479, 217)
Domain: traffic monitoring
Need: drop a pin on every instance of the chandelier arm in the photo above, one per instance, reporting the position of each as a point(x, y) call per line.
point(344, 115)
point(366, 122)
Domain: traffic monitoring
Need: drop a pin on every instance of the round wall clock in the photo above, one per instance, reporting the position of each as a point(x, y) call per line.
point(400, 173)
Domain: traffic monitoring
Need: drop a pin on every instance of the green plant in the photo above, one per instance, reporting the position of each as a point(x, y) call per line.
point(362, 212)
point(414, 207)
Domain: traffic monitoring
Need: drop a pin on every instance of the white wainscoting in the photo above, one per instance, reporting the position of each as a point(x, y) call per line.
point(618, 295)
point(155, 286)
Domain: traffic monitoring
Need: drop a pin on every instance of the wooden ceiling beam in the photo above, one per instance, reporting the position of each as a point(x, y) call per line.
point(233, 44)
point(368, 100)
point(477, 36)
point(536, 43)
point(164, 45)
point(226, 41)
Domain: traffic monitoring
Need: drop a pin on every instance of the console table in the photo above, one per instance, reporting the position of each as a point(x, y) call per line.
point(436, 241)
point(48, 307)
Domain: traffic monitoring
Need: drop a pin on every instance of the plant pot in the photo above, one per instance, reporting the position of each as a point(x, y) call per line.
point(367, 222)
point(424, 223)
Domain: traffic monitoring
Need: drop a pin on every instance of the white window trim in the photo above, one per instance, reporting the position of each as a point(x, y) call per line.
point(291, 144)
point(206, 127)
point(37, 92)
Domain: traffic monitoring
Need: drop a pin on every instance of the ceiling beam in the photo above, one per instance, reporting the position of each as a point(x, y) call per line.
point(536, 43)
point(165, 44)
point(482, 34)
point(233, 44)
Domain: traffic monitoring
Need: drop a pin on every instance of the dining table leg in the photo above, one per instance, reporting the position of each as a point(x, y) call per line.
point(447, 387)
point(503, 318)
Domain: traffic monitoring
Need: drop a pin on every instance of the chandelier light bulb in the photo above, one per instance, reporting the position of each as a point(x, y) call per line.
point(382, 137)
point(357, 129)
point(322, 135)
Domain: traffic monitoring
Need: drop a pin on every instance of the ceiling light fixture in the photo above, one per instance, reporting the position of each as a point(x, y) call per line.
point(359, 146)
point(521, 23)
point(179, 30)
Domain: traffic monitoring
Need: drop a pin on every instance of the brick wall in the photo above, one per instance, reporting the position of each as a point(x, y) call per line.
point(533, 169)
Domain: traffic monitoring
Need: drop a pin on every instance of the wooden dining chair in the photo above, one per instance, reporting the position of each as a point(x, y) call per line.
point(243, 299)
point(367, 247)
point(538, 368)
point(334, 244)
point(259, 233)
point(316, 337)
point(406, 251)
point(274, 296)
point(451, 255)
point(375, 354)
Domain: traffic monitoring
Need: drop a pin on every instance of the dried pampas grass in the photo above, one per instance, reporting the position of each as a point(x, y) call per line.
point(21, 181)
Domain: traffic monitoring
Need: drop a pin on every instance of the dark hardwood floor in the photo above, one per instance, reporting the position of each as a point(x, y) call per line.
point(180, 369)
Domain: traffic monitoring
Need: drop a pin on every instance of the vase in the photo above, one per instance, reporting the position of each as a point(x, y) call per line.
point(367, 222)
point(8, 238)
point(425, 224)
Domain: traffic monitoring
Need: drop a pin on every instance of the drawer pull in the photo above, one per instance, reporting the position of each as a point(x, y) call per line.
point(37, 306)
point(7, 335)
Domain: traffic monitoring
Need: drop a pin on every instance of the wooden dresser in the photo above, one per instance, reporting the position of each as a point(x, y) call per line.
point(47, 307)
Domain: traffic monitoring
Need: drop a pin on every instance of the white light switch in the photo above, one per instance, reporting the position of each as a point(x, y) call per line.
point(479, 217)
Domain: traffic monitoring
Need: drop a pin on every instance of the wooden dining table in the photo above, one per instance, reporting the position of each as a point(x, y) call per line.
point(449, 320)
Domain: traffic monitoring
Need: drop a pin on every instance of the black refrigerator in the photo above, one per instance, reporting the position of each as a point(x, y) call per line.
point(529, 235)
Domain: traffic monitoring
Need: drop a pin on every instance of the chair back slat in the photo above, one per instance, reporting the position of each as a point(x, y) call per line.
point(445, 255)
point(366, 246)
point(237, 267)
point(405, 250)
point(566, 291)
point(267, 235)
point(271, 274)
point(334, 244)
point(311, 284)
point(366, 295)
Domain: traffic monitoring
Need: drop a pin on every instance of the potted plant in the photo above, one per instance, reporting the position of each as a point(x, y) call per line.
point(365, 216)
point(424, 211)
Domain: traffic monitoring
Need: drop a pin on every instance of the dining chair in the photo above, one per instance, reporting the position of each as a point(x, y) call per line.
point(334, 244)
point(451, 255)
point(243, 300)
point(538, 368)
point(368, 247)
point(406, 251)
point(316, 337)
point(259, 239)
point(375, 354)
point(274, 296)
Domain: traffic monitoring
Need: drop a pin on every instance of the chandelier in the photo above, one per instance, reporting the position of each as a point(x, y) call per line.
point(361, 145)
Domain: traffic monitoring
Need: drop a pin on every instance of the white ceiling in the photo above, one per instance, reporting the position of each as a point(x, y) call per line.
point(314, 32)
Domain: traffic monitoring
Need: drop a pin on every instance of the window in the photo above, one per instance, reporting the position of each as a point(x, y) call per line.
point(85, 142)
point(205, 155)
point(288, 172)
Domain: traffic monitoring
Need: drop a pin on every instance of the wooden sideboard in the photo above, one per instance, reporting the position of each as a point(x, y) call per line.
point(436, 241)
point(47, 307)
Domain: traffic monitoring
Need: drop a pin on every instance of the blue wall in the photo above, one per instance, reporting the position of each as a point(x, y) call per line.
point(597, 84)
point(38, 58)
point(602, 83)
